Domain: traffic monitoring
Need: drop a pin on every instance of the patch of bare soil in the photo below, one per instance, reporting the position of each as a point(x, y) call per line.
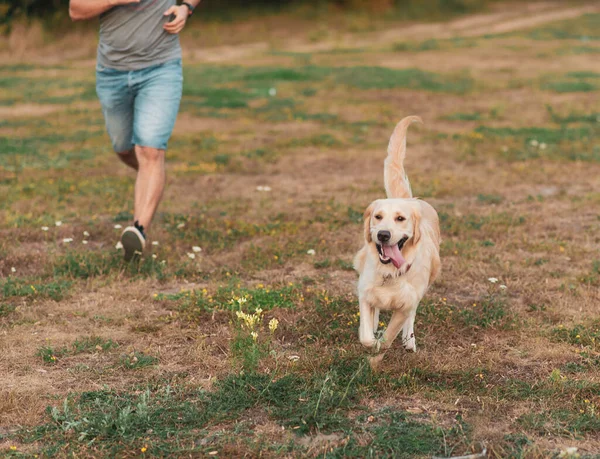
point(28, 110)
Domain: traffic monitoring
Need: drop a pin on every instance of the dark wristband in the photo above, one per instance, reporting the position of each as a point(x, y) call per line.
point(190, 7)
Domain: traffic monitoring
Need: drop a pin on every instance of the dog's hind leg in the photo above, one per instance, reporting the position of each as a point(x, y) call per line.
point(408, 332)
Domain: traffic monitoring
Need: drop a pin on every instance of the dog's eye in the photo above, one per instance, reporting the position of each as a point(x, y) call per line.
point(400, 219)
point(378, 217)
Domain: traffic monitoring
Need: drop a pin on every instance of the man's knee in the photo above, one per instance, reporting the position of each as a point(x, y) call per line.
point(149, 153)
point(126, 152)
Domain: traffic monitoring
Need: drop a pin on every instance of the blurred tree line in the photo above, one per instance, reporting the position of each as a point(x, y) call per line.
point(47, 9)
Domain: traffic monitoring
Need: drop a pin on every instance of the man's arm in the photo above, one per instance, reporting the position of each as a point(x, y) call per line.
point(181, 13)
point(88, 9)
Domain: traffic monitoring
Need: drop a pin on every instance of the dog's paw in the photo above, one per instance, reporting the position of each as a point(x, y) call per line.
point(369, 343)
point(410, 344)
point(375, 361)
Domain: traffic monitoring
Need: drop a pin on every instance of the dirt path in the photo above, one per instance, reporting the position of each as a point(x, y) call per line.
point(518, 17)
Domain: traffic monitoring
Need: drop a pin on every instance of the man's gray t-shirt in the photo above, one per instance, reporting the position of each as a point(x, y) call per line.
point(132, 36)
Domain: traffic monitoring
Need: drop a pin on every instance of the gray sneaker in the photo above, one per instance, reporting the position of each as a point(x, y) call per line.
point(134, 241)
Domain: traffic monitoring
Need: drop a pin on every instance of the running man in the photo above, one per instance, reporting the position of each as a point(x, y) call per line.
point(139, 83)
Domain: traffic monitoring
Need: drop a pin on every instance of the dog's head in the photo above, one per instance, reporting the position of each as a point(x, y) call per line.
point(392, 226)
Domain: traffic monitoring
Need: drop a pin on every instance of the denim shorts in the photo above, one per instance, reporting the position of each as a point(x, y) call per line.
point(140, 106)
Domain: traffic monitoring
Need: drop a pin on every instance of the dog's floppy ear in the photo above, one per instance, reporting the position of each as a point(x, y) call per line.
point(416, 220)
point(367, 222)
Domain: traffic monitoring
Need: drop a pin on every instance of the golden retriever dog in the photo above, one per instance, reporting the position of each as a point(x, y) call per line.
point(400, 257)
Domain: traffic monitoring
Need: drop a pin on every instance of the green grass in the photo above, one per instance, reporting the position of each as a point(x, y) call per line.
point(573, 117)
point(23, 89)
point(395, 434)
point(194, 305)
point(50, 355)
point(474, 116)
point(562, 422)
point(385, 78)
point(15, 287)
point(88, 265)
point(433, 44)
point(579, 335)
point(83, 345)
point(487, 312)
point(572, 82)
point(585, 28)
point(6, 309)
point(260, 79)
point(539, 134)
point(487, 225)
point(137, 360)
point(489, 198)
point(578, 50)
point(166, 420)
point(88, 344)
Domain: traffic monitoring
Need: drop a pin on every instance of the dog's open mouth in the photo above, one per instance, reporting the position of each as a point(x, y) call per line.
point(391, 253)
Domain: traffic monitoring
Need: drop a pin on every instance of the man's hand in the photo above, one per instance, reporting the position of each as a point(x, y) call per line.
point(178, 23)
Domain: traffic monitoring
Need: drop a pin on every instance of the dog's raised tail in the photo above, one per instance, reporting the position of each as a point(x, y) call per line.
point(394, 177)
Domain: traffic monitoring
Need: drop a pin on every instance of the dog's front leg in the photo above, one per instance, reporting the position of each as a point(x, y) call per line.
point(365, 330)
point(399, 317)
point(408, 332)
point(375, 319)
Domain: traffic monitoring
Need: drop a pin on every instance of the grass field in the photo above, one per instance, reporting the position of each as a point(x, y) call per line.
point(236, 335)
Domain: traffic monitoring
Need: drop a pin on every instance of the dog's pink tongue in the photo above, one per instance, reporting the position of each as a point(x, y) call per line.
point(393, 252)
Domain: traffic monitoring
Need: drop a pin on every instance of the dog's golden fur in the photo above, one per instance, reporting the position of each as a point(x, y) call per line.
point(400, 257)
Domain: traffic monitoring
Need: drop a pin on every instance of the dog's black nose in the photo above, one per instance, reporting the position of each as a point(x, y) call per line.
point(384, 236)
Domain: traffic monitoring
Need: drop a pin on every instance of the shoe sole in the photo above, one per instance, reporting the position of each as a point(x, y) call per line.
point(132, 245)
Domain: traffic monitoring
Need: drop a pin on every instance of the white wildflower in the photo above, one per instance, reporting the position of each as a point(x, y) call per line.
point(503, 287)
point(86, 234)
point(294, 358)
point(154, 256)
point(196, 249)
point(191, 255)
point(45, 228)
point(154, 242)
point(58, 223)
point(263, 188)
point(570, 451)
point(181, 225)
point(272, 92)
point(117, 226)
point(543, 146)
point(84, 242)
point(13, 270)
point(67, 240)
point(311, 251)
point(254, 335)
point(119, 246)
point(493, 280)
point(533, 143)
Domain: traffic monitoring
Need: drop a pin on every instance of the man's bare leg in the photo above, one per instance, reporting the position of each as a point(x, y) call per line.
point(129, 158)
point(150, 183)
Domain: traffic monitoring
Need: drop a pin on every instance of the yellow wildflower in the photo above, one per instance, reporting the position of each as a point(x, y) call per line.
point(273, 323)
